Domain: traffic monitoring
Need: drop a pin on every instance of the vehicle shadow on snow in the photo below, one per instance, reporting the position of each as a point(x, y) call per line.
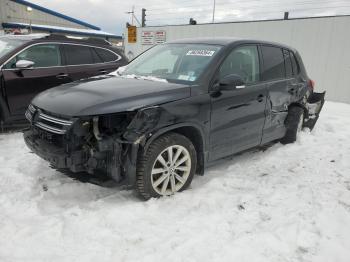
point(67, 189)
point(226, 162)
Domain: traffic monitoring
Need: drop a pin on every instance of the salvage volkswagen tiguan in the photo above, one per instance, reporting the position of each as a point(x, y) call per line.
point(173, 110)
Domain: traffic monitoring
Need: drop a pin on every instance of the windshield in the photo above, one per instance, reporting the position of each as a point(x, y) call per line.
point(173, 61)
point(7, 45)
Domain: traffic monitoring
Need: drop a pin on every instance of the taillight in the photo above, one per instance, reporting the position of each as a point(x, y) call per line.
point(312, 84)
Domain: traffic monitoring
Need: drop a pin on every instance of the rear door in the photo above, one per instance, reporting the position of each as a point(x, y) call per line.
point(280, 87)
point(22, 85)
point(84, 61)
point(79, 61)
point(238, 116)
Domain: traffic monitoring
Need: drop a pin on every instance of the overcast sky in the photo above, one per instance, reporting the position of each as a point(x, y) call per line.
point(111, 15)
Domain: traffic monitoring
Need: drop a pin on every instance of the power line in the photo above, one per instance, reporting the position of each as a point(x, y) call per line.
point(201, 10)
point(246, 3)
point(253, 13)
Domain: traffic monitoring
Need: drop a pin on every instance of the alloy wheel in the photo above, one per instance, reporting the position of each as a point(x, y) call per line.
point(171, 170)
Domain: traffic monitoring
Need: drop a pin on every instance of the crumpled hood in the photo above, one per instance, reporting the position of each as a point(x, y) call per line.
point(108, 94)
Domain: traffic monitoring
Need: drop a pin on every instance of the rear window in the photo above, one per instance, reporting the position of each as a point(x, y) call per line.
point(106, 55)
point(78, 55)
point(273, 63)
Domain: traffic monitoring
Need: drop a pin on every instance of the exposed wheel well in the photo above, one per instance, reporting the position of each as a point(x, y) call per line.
point(195, 136)
point(297, 104)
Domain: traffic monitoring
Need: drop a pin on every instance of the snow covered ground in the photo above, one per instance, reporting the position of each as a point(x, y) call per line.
point(288, 203)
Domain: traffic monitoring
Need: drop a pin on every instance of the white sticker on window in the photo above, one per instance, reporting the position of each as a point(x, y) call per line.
point(201, 52)
point(183, 77)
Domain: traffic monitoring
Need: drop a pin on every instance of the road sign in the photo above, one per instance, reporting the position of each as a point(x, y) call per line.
point(132, 34)
point(147, 38)
point(160, 37)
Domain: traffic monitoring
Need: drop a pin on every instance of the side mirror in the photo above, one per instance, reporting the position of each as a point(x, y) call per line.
point(24, 64)
point(231, 82)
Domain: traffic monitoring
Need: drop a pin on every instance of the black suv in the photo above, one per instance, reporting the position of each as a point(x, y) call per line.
point(173, 110)
point(30, 64)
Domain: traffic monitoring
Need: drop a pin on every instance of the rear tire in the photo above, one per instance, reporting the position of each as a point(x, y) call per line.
point(294, 124)
point(167, 167)
point(1, 122)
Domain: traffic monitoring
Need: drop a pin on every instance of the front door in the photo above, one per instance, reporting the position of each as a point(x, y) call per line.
point(22, 85)
point(238, 115)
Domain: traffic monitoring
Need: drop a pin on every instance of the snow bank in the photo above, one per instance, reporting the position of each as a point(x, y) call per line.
point(288, 203)
point(118, 72)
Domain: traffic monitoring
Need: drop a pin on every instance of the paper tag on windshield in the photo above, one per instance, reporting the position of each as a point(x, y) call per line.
point(183, 77)
point(201, 52)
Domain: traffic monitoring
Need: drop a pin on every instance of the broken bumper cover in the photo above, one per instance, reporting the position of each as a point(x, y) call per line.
point(113, 162)
point(314, 106)
point(57, 157)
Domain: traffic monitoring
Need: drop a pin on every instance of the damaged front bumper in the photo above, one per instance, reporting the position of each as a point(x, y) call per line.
point(110, 157)
point(314, 106)
point(107, 144)
point(56, 156)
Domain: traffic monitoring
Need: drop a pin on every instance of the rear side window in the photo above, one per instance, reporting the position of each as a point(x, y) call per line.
point(106, 55)
point(288, 63)
point(78, 55)
point(273, 63)
point(42, 55)
point(95, 56)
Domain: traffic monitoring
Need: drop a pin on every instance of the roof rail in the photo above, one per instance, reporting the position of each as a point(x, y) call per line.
point(92, 40)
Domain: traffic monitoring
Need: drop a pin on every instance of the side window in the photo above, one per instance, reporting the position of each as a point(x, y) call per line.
point(273, 63)
point(106, 55)
point(242, 61)
point(294, 64)
point(95, 56)
point(42, 56)
point(288, 63)
point(78, 55)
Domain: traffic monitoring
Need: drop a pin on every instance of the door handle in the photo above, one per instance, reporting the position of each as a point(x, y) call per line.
point(260, 98)
point(291, 90)
point(103, 71)
point(61, 76)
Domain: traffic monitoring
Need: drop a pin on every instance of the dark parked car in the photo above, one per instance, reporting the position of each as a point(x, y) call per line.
point(173, 110)
point(30, 64)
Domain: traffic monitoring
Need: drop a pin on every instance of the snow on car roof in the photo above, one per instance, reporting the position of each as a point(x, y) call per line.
point(62, 29)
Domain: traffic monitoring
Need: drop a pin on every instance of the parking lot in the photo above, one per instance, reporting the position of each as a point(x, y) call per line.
point(287, 203)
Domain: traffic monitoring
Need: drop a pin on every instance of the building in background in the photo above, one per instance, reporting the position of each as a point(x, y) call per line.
point(18, 16)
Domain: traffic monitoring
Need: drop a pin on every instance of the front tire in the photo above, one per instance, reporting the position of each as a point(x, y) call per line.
point(294, 124)
point(167, 167)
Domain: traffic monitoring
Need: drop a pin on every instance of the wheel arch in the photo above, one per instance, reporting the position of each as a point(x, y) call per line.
point(190, 130)
point(300, 104)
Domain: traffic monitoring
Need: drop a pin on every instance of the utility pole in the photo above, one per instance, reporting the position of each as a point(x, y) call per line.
point(132, 13)
point(214, 11)
point(143, 17)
